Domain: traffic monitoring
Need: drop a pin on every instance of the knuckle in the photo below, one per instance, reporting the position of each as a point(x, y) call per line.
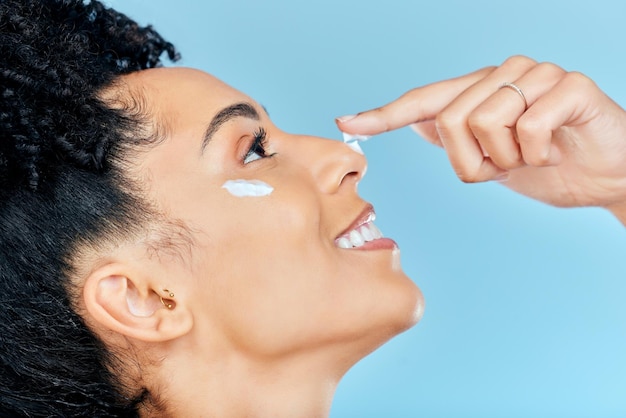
point(409, 94)
point(482, 121)
point(446, 121)
point(519, 61)
point(379, 110)
point(487, 70)
point(531, 132)
point(381, 115)
point(579, 80)
point(529, 125)
point(550, 68)
point(468, 174)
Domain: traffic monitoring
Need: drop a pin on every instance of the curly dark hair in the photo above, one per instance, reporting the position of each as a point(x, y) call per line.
point(60, 186)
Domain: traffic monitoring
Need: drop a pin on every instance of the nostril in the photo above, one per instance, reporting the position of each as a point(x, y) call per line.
point(353, 177)
point(333, 165)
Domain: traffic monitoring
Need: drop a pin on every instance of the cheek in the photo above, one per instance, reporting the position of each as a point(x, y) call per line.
point(264, 265)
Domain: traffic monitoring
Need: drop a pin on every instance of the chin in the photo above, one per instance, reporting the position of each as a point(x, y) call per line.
point(396, 311)
point(409, 307)
point(406, 298)
point(403, 308)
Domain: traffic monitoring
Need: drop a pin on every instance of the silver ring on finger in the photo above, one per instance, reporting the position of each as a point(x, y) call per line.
point(514, 87)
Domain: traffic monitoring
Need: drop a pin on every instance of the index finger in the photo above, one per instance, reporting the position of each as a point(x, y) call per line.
point(417, 105)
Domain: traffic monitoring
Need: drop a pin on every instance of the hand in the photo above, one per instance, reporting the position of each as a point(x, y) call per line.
point(566, 145)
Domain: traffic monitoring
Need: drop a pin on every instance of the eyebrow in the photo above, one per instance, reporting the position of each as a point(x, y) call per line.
point(237, 110)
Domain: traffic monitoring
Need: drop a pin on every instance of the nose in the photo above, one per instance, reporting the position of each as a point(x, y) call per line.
point(333, 164)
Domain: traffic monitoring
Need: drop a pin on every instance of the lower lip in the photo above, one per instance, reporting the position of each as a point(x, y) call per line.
point(377, 244)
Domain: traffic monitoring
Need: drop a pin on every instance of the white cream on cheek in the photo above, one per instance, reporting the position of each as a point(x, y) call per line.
point(248, 188)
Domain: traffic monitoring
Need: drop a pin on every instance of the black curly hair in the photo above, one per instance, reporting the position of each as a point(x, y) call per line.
point(61, 187)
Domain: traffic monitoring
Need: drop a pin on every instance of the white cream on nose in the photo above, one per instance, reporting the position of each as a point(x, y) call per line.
point(352, 140)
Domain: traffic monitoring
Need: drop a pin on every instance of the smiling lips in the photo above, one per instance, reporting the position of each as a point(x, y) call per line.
point(364, 232)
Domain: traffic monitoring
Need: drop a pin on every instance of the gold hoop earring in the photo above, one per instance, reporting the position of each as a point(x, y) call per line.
point(168, 305)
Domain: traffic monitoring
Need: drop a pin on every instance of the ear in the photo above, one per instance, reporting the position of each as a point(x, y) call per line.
point(127, 302)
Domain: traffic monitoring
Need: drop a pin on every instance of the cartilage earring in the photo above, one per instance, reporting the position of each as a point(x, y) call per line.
point(168, 305)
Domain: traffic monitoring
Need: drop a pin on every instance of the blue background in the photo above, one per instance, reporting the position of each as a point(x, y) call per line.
point(525, 303)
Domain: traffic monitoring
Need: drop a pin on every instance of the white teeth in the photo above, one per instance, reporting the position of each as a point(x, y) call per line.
point(356, 239)
point(375, 231)
point(367, 234)
point(344, 242)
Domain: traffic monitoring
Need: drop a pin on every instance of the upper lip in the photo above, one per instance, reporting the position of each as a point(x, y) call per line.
point(366, 215)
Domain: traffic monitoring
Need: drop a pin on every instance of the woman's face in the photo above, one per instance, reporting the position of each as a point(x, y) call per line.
point(266, 274)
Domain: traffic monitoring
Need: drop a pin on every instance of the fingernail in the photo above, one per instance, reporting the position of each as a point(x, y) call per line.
point(345, 118)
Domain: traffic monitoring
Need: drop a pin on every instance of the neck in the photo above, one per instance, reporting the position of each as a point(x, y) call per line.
point(240, 387)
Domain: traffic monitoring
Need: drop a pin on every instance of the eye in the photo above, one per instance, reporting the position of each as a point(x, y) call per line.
point(257, 148)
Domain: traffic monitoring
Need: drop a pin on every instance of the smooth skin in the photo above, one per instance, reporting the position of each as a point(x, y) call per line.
point(568, 148)
point(267, 313)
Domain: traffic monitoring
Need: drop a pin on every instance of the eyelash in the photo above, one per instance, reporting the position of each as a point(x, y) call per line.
point(257, 147)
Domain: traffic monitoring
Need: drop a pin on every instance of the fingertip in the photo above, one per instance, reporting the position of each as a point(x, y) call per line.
point(361, 124)
point(344, 125)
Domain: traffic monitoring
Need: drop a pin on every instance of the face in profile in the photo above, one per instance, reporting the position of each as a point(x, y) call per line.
point(294, 268)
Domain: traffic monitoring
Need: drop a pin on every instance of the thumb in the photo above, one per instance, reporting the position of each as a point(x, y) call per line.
point(417, 105)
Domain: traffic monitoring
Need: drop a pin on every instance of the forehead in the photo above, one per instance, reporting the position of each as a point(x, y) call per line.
point(180, 97)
